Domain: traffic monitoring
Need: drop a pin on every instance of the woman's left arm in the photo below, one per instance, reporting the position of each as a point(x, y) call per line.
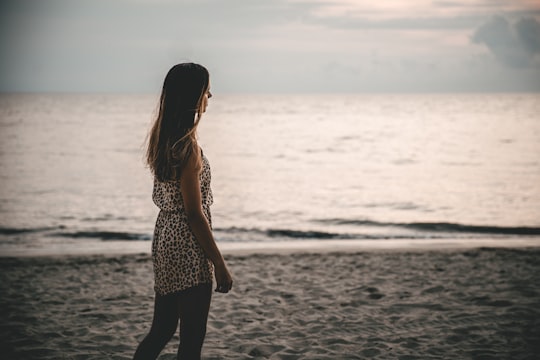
point(191, 194)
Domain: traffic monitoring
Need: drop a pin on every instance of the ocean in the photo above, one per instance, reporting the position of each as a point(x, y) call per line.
point(301, 168)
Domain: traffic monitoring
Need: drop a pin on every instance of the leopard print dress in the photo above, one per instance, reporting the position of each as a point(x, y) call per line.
point(178, 259)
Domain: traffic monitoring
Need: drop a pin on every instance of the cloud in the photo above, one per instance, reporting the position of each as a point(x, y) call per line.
point(453, 15)
point(398, 23)
point(264, 46)
point(528, 31)
point(513, 44)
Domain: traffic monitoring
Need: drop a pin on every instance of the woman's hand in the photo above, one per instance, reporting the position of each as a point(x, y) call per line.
point(223, 278)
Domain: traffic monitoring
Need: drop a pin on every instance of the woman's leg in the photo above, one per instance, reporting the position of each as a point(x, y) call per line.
point(163, 327)
point(194, 304)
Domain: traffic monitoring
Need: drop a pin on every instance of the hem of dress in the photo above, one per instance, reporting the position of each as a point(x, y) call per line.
point(179, 292)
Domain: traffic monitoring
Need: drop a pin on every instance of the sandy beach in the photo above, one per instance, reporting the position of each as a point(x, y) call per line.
point(409, 304)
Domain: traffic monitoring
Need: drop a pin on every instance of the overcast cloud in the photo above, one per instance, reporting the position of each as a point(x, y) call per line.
point(514, 44)
point(272, 45)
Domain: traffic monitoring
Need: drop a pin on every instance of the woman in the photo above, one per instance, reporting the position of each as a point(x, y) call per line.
point(184, 252)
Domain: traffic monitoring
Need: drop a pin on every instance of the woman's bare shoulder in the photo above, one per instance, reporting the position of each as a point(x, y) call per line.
point(194, 161)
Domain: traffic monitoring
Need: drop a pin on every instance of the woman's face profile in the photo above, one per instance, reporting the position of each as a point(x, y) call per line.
point(207, 95)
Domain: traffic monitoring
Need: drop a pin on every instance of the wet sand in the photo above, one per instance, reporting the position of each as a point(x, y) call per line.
point(408, 304)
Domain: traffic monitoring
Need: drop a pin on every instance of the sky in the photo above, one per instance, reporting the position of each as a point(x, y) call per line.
point(272, 46)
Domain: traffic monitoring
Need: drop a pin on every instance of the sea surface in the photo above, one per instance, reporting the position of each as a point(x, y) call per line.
point(284, 168)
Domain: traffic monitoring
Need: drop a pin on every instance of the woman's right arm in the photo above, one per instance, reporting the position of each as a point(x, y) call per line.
point(191, 194)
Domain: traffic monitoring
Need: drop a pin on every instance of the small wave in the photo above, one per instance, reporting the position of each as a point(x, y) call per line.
point(441, 227)
point(319, 235)
point(288, 233)
point(16, 231)
point(60, 231)
point(450, 227)
point(309, 234)
point(306, 234)
point(104, 235)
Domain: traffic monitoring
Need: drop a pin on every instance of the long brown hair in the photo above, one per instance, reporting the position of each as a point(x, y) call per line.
point(173, 137)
